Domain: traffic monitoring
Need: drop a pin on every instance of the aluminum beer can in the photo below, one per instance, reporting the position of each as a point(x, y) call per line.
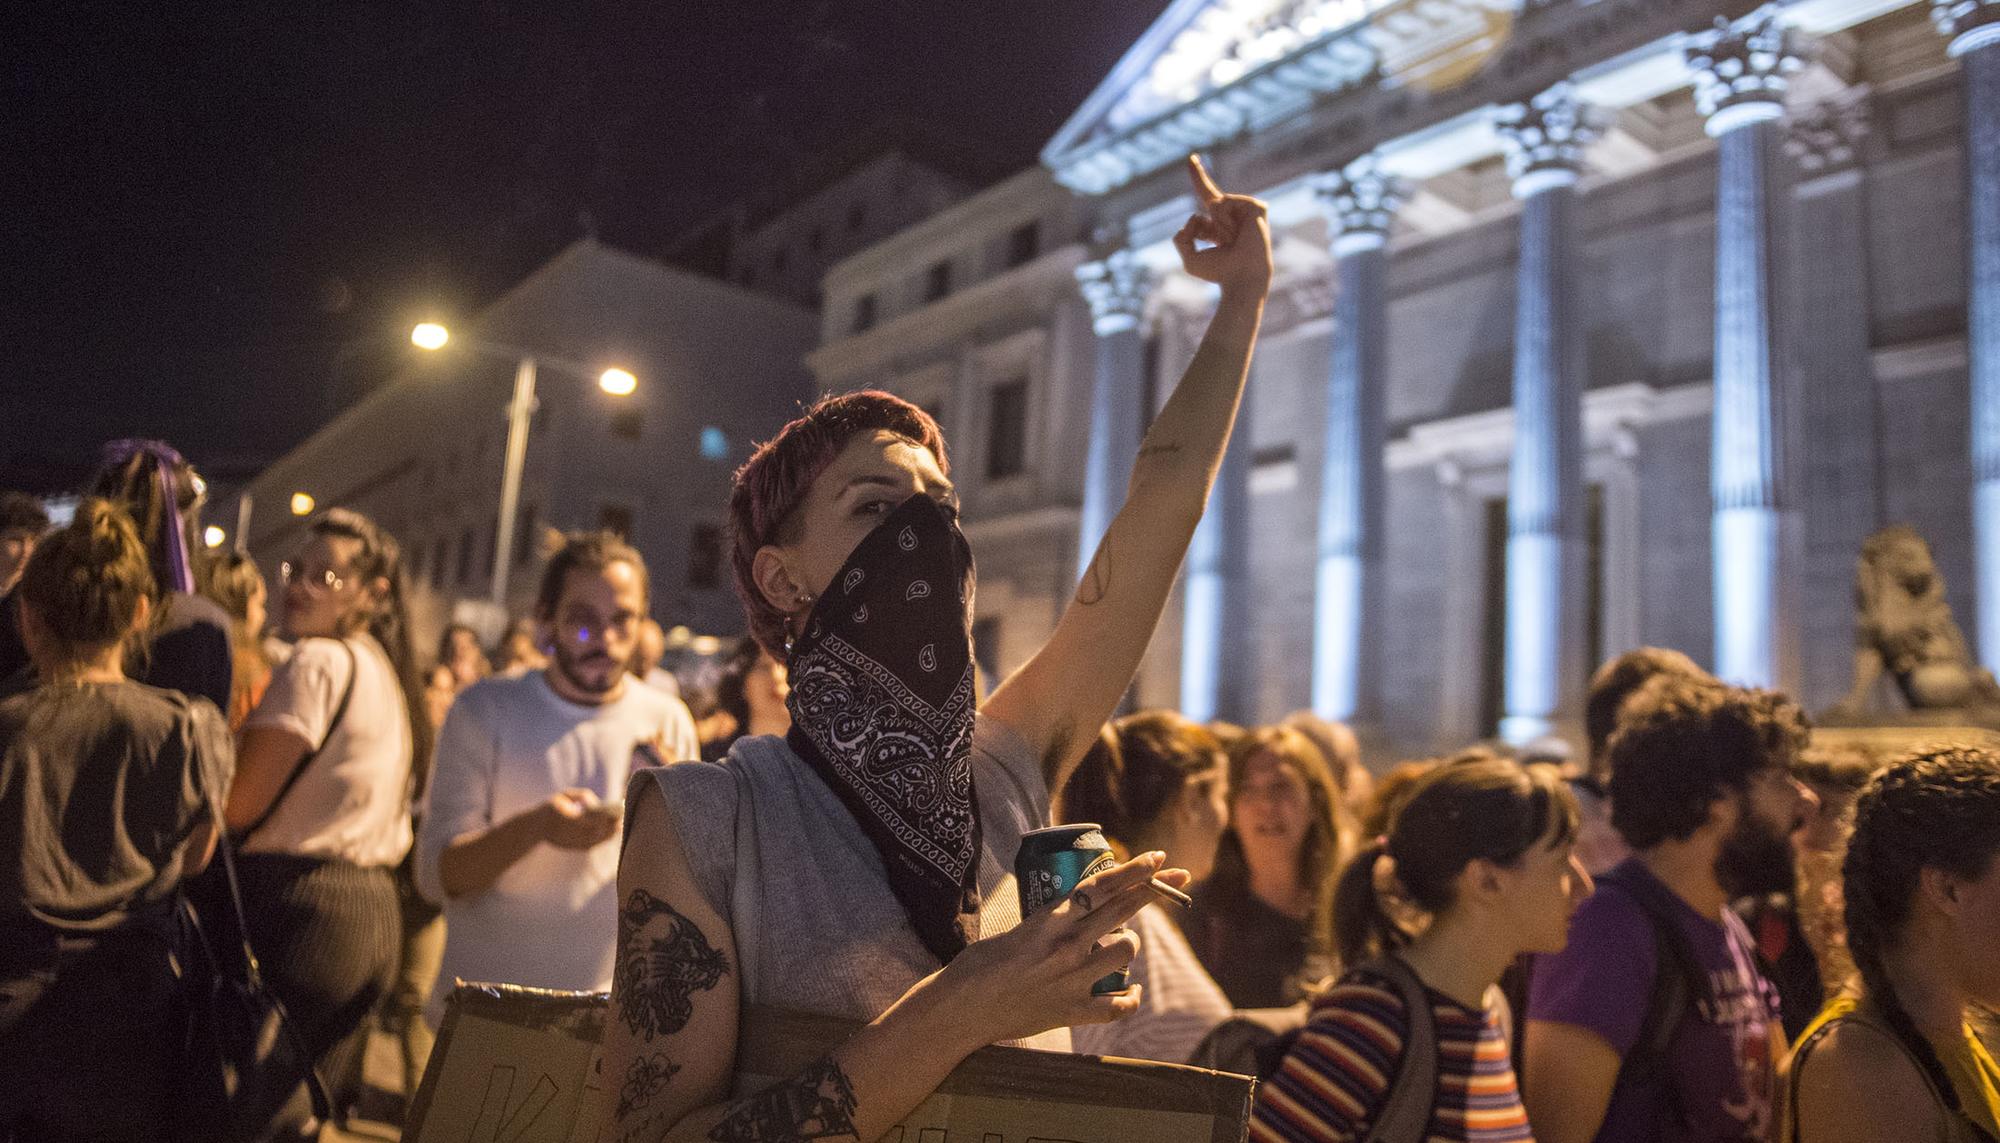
point(1051, 863)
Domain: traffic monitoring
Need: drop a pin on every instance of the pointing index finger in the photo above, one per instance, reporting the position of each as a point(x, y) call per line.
point(1205, 190)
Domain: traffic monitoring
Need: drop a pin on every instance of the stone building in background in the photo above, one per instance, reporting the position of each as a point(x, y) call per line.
point(1596, 324)
point(718, 368)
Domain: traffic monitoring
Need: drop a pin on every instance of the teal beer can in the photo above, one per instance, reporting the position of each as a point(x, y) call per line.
point(1052, 862)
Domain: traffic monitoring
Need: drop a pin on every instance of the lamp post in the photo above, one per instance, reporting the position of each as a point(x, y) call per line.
point(520, 412)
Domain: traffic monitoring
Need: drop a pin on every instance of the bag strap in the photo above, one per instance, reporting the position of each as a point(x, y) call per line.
point(1946, 1102)
point(1678, 979)
point(299, 768)
point(253, 973)
point(1406, 1111)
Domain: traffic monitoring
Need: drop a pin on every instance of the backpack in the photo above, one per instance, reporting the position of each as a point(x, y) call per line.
point(1679, 982)
point(1247, 1042)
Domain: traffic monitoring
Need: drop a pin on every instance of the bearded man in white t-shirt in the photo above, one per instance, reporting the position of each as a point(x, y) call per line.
point(520, 829)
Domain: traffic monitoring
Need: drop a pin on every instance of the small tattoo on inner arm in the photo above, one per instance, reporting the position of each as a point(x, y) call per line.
point(663, 960)
point(644, 1080)
point(817, 1104)
point(1097, 577)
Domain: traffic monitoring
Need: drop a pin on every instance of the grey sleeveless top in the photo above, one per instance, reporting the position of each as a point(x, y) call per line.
point(817, 927)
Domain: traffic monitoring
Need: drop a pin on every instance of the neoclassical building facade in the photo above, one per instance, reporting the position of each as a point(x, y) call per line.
point(1596, 324)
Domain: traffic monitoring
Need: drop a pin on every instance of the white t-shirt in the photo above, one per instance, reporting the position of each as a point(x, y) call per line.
point(551, 919)
point(352, 801)
point(1181, 1003)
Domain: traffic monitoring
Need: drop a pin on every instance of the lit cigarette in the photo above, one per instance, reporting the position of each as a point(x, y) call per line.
point(1170, 893)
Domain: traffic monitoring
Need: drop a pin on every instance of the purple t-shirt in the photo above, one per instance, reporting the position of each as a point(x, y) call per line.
point(1719, 1062)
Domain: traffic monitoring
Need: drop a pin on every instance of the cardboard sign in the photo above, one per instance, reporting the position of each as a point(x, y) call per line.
point(521, 1065)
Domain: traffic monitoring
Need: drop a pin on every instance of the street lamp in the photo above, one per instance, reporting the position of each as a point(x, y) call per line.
point(302, 503)
point(213, 536)
point(520, 411)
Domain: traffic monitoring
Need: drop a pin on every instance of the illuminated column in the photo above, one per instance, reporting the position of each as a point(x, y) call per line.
point(1360, 202)
point(1210, 608)
point(1974, 28)
point(1741, 72)
point(1545, 139)
point(1116, 289)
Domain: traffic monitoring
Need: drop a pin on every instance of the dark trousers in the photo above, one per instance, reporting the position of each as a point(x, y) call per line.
point(92, 1029)
point(327, 934)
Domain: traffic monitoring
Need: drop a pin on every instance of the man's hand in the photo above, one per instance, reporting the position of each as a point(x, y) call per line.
point(576, 819)
point(1237, 256)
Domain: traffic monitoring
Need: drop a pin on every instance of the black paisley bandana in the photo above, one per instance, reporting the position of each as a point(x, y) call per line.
point(882, 704)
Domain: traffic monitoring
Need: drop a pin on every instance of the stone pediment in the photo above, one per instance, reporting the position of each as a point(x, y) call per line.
point(1208, 70)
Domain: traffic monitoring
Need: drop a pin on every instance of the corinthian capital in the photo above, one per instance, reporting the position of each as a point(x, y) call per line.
point(1742, 68)
point(1116, 288)
point(1360, 201)
point(1546, 136)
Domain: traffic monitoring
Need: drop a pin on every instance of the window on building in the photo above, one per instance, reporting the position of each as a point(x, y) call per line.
point(864, 313)
point(468, 550)
point(937, 283)
point(1007, 430)
point(705, 557)
point(440, 560)
point(616, 518)
point(935, 408)
point(492, 547)
point(1024, 243)
point(1149, 380)
point(524, 534)
point(627, 424)
point(857, 216)
point(1493, 634)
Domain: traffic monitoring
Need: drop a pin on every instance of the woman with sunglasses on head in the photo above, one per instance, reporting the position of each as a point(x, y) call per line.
point(1894, 1056)
point(330, 764)
point(1478, 866)
point(860, 865)
point(105, 788)
point(188, 647)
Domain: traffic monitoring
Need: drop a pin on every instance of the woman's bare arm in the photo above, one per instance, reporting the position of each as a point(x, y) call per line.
point(670, 1042)
point(1064, 693)
point(264, 760)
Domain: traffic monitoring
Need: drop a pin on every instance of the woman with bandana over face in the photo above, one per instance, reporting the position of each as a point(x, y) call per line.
point(860, 866)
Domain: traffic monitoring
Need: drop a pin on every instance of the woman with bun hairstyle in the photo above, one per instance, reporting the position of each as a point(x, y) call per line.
point(232, 580)
point(1156, 781)
point(1893, 1056)
point(332, 760)
point(1477, 867)
point(188, 646)
point(106, 789)
point(1259, 922)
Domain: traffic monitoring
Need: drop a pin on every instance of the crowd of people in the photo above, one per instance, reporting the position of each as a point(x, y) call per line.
point(1706, 927)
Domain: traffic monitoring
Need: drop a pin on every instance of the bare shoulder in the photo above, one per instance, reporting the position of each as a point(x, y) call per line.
point(1858, 1083)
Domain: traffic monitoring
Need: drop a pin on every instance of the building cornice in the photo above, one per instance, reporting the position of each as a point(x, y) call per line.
point(1484, 438)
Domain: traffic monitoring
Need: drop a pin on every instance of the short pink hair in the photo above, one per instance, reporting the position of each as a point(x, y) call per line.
point(774, 481)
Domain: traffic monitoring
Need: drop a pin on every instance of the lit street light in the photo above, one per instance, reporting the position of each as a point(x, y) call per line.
point(213, 536)
point(520, 411)
point(302, 503)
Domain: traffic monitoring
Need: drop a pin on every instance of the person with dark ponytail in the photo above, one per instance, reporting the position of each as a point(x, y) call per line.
point(1156, 781)
point(1477, 867)
point(332, 760)
point(188, 648)
point(105, 809)
point(1894, 1057)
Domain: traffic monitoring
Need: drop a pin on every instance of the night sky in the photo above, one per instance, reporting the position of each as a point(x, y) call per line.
point(221, 218)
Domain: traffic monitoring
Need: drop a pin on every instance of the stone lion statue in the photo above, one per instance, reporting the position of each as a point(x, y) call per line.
point(1904, 626)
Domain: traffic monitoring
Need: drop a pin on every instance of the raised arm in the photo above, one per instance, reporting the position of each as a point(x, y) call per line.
point(1066, 691)
point(670, 1044)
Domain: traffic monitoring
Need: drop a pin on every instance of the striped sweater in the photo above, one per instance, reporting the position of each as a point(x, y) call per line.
point(1336, 1077)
